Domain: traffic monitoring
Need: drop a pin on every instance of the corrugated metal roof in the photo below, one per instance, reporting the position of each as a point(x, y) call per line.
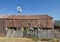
point(3, 16)
point(25, 17)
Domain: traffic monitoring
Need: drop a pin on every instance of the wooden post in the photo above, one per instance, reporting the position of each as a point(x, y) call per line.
point(6, 27)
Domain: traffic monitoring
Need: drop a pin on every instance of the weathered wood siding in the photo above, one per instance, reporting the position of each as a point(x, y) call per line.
point(45, 23)
point(43, 33)
point(2, 27)
point(15, 33)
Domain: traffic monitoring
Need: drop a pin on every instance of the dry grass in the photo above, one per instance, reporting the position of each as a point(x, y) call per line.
point(5, 39)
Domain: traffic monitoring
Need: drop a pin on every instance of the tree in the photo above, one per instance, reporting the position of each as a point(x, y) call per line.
point(57, 22)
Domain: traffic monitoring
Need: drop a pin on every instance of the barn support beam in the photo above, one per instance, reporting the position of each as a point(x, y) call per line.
point(22, 29)
point(53, 33)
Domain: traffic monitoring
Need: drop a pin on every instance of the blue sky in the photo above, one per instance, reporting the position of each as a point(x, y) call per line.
point(31, 7)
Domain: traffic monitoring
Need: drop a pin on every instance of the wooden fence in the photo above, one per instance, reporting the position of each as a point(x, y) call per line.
point(57, 34)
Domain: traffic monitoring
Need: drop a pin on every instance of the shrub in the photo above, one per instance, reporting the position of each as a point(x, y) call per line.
point(45, 39)
point(35, 38)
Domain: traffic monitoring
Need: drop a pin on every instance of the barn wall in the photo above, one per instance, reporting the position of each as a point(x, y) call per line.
point(43, 33)
point(2, 27)
point(18, 32)
point(45, 23)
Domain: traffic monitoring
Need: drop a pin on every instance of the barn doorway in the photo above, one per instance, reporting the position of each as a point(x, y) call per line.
point(12, 32)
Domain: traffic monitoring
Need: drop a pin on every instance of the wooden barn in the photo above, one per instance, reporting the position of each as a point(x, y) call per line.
point(40, 26)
